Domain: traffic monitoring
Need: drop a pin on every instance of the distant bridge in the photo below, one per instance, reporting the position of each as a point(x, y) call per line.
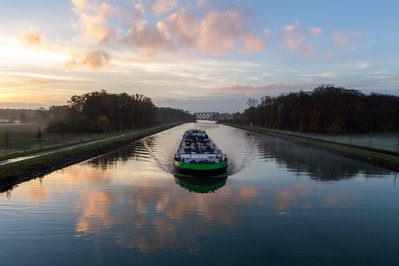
point(207, 116)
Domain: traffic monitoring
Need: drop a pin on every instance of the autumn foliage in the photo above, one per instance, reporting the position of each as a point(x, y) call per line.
point(326, 109)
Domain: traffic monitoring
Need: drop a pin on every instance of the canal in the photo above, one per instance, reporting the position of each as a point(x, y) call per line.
point(281, 204)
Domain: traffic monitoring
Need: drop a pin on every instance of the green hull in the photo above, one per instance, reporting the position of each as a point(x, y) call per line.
point(201, 167)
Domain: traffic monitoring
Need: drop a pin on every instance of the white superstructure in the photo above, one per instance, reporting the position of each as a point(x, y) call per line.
point(197, 147)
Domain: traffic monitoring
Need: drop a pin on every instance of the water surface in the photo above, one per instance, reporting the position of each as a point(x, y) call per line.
point(281, 204)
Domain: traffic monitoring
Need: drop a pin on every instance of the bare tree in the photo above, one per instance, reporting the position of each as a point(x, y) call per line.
point(39, 137)
point(6, 141)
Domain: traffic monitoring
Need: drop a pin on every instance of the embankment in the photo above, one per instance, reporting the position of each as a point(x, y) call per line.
point(386, 159)
point(14, 173)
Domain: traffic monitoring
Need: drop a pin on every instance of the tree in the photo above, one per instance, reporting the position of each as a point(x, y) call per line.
point(39, 137)
point(252, 102)
point(58, 112)
point(6, 141)
point(103, 123)
point(167, 115)
point(23, 118)
point(326, 109)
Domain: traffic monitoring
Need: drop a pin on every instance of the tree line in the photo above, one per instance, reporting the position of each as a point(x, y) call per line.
point(326, 109)
point(101, 111)
point(9, 116)
point(168, 115)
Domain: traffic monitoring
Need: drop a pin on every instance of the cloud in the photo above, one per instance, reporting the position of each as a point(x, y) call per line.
point(33, 37)
point(91, 59)
point(340, 39)
point(261, 90)
point(346, 41)
point(93, 20)
point(216, 34)
point(163, 6)
point(293, 37)
point(315, 31)
point(253, 44)
point(346, 38)
point(202, 3)
point(220, 32)
point(150, 40)
point(138, 10)
point(308, 50)
point(362, 66)
point(330, 54)
point(323, 75)
point(80, 4)
point(210, 31)
point(183, 27)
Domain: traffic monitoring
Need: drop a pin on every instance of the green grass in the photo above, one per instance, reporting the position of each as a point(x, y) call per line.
point(14, 173)
point(23, 139)
point(381, 141)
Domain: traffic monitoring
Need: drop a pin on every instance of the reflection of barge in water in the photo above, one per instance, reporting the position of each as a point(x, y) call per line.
point(200, 185)
point(199, 155)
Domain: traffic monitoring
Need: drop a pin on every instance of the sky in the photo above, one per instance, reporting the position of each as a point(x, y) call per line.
point(198, 55)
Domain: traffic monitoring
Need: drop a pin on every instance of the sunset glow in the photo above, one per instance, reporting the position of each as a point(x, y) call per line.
point(194, 55)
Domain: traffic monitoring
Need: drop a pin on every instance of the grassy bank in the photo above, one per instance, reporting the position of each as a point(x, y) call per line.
point(17, 172)
point(23, 141)
point(384, 159)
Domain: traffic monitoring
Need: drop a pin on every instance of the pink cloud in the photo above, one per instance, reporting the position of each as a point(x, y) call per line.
point(308, 50)
point(315, 31)
point(163, 29)
point(80, 4)
point(293, 37)
point(33, 37)
point(93, 20)
point(138, 10)
point(349, 39)
point(150, 40)
point(175, 32)
point(184, 28)
point(220, 32)
point(253, 44)
point(340, 39)
point(216, 34)
point(91, 59)
point(163, 6)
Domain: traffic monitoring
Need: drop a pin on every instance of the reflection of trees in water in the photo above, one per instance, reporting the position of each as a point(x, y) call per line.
point(319, 165)
point(136, 151)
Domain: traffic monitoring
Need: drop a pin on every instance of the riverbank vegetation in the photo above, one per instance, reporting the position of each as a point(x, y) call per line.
point(101, 111)
point(327, 109)
point(85, 118)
